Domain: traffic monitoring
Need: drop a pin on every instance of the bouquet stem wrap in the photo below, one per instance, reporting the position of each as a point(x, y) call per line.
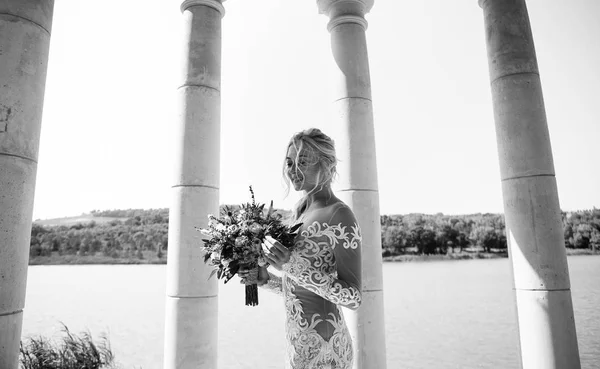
point(252, 287)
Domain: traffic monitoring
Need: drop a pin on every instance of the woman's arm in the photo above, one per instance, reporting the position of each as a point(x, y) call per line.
point(305, 266)
point(273, 284)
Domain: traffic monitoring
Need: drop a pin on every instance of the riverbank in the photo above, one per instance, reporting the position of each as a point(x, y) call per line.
point(438, 257)
point(151, 258)
point(100, 259)
point(469, 256)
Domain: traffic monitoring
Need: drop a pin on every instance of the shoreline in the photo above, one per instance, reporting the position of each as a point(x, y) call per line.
point(402, 258)
point(416, 258)
point(408, 258)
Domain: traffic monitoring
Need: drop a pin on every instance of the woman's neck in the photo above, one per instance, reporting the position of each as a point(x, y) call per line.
point(322, 196)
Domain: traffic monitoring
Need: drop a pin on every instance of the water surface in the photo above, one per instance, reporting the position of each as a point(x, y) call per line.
point(442, 315)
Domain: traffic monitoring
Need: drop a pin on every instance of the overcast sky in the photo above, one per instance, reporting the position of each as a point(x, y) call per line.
point(109, 112)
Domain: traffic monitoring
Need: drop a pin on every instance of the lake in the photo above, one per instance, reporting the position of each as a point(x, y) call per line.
point(442, 315)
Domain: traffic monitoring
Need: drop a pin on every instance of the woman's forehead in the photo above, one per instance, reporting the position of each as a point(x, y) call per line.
point(292, 153)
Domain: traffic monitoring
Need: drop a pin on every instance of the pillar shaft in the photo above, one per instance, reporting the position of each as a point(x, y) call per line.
point(533, 219)
point(25, 27)
point(191, 329)
point(355, 144)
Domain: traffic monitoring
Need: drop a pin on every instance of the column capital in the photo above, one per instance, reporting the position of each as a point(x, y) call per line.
point(342, 19)
point(334, 8)
point(215, 4)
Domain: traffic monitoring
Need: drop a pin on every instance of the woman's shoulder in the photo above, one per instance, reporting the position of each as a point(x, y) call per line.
point(334, 213)
point(335, 222)
point(340, 211)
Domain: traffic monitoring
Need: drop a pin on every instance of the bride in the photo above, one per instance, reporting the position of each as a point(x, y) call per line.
point(323, 272)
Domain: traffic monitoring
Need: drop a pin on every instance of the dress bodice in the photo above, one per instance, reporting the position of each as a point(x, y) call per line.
point(322, 275)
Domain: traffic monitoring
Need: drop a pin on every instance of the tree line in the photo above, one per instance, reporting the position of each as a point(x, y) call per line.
point(140, 233)
point(133, 236)
point(437, 234)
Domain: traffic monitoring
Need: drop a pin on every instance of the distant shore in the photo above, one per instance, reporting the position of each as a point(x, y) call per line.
point(90, 260)
point(106, 260)
point(470, 256)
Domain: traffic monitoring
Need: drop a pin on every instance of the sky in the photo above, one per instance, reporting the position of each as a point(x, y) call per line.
point(107, 137)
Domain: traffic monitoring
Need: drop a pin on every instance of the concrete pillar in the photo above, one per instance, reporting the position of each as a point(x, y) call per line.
point(25, 27)
point(358, 187)
point(533, 220)
point(191, 329)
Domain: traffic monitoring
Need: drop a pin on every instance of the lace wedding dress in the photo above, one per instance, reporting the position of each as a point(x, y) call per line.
point(323, 274)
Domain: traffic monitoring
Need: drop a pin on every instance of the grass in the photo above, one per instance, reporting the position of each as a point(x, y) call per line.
point(73, 352)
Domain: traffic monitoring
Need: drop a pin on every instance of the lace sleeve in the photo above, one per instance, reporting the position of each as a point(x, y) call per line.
point(310, 264)
point(273, 284)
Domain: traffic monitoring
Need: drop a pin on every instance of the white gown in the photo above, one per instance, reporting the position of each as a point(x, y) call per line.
point(323, 274)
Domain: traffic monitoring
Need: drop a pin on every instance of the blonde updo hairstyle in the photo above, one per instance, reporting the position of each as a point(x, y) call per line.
point(318, 149)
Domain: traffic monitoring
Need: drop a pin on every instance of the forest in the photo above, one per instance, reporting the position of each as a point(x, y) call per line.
point(440, 234)
point(137, 235)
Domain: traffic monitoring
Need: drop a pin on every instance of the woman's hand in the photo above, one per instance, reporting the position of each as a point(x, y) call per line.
point(263, 276)
point(275, 252)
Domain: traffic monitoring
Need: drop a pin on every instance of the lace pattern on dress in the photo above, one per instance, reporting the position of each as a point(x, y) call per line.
point(312, 266)
point(306, 348)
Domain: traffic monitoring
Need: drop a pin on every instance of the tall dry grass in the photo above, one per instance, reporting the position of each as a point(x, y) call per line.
point(71, 352)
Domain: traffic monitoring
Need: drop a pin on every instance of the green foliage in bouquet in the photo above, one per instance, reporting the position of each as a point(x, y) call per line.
point(237, 235)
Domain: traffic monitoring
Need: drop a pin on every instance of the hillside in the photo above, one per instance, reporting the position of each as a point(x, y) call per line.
point(82, 219)
point(141, 236)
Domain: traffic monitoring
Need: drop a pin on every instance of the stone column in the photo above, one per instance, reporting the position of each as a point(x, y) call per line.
point(358, 187)
point(533, 219)
point(25, 27)
point(191, 334)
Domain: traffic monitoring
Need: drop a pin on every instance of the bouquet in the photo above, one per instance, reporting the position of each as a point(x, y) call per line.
point(236, 238)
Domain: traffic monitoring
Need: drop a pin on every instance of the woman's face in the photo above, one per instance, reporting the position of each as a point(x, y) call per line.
point(302, 174)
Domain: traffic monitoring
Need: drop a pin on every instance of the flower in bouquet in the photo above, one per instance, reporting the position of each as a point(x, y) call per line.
point(235, 240)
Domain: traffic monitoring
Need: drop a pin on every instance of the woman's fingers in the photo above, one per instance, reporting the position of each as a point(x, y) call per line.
point(275, 251)
point(277, 245)
point(282, 255)
point(272, 260)
point(271, 240)
point(270, 251)
point(274, 263)
point(270, 257)
point(268, 241)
